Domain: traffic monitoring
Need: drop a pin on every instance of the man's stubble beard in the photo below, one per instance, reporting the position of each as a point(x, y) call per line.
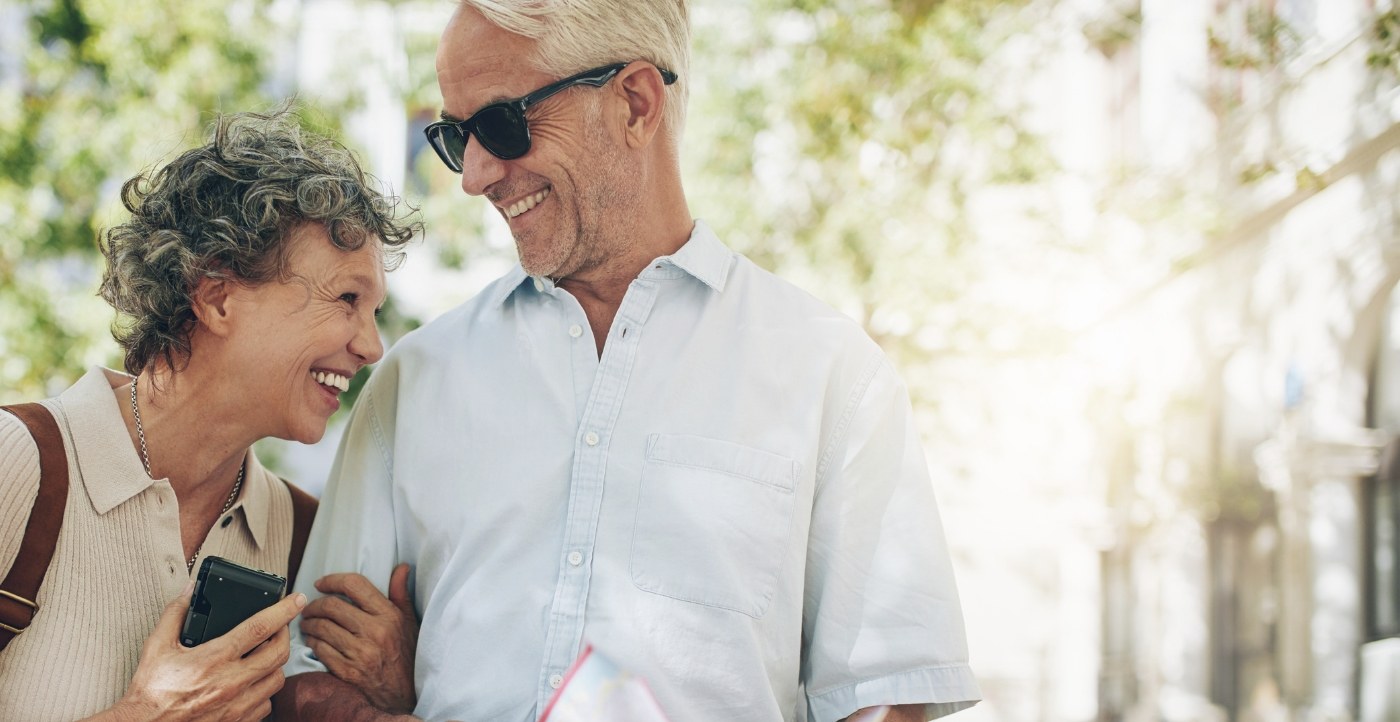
point(607, 210)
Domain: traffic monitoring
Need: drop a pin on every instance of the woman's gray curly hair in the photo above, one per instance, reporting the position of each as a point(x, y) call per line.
point(226, 210)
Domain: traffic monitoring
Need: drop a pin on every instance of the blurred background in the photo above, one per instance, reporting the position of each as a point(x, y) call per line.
point(1136, 259)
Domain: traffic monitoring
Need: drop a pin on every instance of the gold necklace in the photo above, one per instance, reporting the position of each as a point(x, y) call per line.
point(146, 461)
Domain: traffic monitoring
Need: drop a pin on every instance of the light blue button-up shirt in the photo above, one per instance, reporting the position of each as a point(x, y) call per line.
point(731, 502)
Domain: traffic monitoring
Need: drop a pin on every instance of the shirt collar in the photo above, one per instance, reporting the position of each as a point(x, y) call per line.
point(110, 466)
point(506, 286)
point(256, 499)
point(703, 256)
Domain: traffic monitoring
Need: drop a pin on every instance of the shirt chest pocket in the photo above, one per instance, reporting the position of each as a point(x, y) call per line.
point(712, 525)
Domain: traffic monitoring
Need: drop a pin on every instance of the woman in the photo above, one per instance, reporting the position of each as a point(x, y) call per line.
point(246, 284)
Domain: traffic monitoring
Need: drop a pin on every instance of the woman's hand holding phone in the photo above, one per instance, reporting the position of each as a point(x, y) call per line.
point(229, 678)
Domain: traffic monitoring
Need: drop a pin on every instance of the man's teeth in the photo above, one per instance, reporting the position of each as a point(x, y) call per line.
point(330, 379)
point(526, 204)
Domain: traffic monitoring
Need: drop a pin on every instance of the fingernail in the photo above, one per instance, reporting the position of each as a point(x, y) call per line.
point(189, 587)
point(300, 600)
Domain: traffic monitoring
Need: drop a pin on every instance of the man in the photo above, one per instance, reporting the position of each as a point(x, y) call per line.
point(637, 439)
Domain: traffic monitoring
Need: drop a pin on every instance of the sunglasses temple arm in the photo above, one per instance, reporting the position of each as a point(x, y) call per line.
point(549, 90)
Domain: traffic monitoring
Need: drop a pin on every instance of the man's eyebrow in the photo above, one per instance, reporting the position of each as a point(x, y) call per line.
point(497, 99)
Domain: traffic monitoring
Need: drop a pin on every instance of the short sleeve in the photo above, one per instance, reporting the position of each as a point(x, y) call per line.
point(19, 485)
point(882, 621)
point(354, 528)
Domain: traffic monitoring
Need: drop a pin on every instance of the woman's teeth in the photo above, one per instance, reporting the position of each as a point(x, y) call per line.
point(526, 203)
point(330, 379)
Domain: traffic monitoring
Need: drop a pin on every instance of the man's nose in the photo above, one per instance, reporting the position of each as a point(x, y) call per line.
point(479, 168)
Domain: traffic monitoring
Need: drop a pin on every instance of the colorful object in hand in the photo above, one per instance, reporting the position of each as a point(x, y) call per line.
point(595, 689)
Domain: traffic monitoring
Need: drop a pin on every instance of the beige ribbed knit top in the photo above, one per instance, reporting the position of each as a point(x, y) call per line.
point(119, 557)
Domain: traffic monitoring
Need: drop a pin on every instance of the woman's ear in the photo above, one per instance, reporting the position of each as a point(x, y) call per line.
point(211, 305)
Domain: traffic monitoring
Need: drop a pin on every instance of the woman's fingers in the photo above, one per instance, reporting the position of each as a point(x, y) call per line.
point(261, 712)
point(270, 655)
point(172, 618)
point(261, 626)
point(270, 684)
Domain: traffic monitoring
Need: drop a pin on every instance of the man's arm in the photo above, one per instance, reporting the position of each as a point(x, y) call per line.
point(355, 531)
point(882, 620)
point(323, 696)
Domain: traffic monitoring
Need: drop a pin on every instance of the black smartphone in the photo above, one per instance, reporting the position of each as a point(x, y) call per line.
point(225, 594)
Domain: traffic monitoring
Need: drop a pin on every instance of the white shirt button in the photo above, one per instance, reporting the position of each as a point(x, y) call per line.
point(539, 285)
point(591, 439)
point(575, 558)
point(575, 330)
point(555, 680)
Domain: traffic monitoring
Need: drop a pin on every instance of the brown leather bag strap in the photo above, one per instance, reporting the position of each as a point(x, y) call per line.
point(303, 513)
point(21, 586)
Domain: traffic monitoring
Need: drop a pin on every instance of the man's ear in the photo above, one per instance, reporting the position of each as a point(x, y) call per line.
point(642, 87)
point(211, 304)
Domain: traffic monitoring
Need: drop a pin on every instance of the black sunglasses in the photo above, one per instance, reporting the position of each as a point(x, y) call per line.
point(501, 127)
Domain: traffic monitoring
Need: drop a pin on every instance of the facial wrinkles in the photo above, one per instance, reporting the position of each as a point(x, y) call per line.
point(333, 280)
point(313, 312)
point(612, 198)
point(318, 300)
point(548, 130)
point(320, 305)
point(301, 323)
point(311, 323)
point(512, 189)
point(577, 248)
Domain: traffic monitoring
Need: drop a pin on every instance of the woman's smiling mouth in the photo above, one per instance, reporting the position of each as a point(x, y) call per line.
point(331, 380)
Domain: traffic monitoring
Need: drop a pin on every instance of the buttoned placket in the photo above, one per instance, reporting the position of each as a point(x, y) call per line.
point(214, 541)
point(606, 392)
point(165, 536)
point(172, 568)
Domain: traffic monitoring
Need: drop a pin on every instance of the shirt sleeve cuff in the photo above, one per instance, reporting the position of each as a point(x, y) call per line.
point(942, 691)
point(301, 661)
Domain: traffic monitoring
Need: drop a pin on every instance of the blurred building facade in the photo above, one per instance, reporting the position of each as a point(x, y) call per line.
point(1266, 136)
point(1247, 530)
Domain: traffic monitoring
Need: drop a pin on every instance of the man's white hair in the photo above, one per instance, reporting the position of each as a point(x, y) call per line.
point(575, 35)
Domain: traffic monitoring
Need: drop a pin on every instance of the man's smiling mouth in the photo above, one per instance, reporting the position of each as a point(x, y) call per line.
point(526, 203)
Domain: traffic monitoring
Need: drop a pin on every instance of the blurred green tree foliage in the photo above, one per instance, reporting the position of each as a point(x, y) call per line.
point(839, 142)
point(96, 91)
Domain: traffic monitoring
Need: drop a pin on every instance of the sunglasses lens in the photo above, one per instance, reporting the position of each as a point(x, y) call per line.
point(449, 143)
point(502, 131)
